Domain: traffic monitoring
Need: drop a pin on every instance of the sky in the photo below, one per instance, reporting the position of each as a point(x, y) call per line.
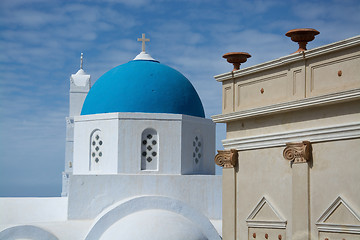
point(41, 42)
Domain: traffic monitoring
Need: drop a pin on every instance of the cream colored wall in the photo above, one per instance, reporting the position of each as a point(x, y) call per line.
point(280, 84)
point(335, 172)
point(335, 114)
point(262, 173)
point(299, 78)
point(322, 72)
point(228, 96)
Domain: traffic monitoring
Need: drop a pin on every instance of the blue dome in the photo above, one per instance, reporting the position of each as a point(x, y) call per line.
point(143, 86)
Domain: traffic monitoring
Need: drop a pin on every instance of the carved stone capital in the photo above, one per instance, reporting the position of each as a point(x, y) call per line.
point(298, 152)
point(226, 158)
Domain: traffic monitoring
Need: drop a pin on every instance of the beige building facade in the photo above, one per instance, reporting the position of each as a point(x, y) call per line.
point(291, 164)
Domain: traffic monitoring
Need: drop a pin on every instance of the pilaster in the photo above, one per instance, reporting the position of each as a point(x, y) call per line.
point(227, 159)
point(299, 155)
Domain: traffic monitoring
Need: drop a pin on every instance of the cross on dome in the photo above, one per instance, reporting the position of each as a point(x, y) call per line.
point(143, 40)
point(143, 55)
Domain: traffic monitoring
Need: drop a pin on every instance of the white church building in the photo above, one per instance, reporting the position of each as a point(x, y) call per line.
point(139, 163)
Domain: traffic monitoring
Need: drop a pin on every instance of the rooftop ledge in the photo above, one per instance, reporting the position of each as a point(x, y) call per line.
point(290, 58)
point(139, 116)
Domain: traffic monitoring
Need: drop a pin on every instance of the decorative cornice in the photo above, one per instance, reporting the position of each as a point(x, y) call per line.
point(350, 42)
point(289, 106)
point(315, 135)
point(298, 152)
point(339, 228)
point(226, 158)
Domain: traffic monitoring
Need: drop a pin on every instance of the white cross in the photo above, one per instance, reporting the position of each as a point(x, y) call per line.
point(143, 40)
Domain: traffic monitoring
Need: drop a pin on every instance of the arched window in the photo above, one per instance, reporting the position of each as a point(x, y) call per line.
point(96, 150)
point(197, 145)
point(149, 149)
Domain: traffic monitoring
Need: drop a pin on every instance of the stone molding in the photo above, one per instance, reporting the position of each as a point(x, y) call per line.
point(298, 152)
point(315, 135)
point(226, 158)
point(289, 106)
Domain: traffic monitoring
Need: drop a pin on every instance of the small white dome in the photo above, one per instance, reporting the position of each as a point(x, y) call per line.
point(80, 78)
point(154, 224)
point(81, 72)
point(144, 56)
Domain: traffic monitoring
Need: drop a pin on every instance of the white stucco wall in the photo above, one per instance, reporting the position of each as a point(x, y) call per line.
point(39, 218)
point(32, 210)
point(169, 142)
point(89, 195)
point(82, 132)
point(121, 151)
point(204, 129)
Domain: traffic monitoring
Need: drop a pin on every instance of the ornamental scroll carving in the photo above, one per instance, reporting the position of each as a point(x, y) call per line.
point(226, 158)
point(298, 152)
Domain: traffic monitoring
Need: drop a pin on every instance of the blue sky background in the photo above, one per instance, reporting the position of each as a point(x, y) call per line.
point(41, 42)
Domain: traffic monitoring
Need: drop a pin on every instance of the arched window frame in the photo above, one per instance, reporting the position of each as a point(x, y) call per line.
point(149, 150)
point(96, 153)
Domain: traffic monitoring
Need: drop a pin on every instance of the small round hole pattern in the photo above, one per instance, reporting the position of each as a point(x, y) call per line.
point(96, 144)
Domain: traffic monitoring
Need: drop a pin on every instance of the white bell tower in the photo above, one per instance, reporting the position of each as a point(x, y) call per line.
point(79, 87)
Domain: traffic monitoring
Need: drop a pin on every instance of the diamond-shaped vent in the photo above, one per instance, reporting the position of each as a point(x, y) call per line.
point(149, 149)
point(197, 149)
point(95, 150)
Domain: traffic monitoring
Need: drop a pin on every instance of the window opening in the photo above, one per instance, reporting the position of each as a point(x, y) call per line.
point(197, 150)
point(149, 149)
point(96, 152)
